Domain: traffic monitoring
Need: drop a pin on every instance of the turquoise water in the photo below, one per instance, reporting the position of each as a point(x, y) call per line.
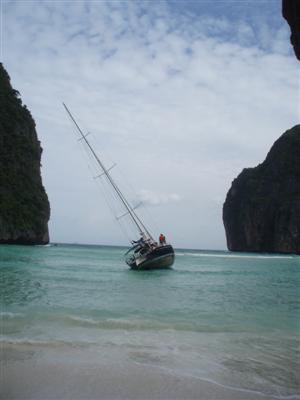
point(226, 317)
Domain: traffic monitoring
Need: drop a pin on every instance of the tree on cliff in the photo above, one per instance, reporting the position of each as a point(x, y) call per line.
point(24, 205)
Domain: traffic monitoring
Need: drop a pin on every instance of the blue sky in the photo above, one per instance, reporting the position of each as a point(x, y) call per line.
point(182, 95)
point(246, 10)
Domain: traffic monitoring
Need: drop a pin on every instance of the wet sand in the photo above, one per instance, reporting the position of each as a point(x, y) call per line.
point(37, 373)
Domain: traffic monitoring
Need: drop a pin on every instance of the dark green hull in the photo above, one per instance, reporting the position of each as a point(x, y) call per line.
point(160, 258)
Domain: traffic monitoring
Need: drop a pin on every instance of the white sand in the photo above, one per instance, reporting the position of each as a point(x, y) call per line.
point(28, 373)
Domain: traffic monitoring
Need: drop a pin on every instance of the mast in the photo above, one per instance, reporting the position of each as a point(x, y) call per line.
point(141, 227)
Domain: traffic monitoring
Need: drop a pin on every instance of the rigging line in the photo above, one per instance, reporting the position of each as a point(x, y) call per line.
point(109, 198)
point(133, 215)
point(105, 171)
point(131, 208)
point(93, 169)
point(143, 205)
point(107, 195)
point(128, 188)
point(112, 209)
point(128, 228)
point(90, 162)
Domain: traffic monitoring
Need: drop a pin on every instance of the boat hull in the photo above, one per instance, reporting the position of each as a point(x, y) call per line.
point(161, 257)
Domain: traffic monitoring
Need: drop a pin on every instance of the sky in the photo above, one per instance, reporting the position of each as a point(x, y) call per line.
point(181, 95)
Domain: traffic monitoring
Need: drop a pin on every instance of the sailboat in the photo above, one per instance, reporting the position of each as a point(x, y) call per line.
point(145, 253)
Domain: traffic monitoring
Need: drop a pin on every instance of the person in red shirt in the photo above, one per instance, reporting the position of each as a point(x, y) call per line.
point(162, 239)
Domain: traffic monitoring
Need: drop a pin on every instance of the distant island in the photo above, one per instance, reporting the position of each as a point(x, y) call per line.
point(261, 212)
point(24, 205)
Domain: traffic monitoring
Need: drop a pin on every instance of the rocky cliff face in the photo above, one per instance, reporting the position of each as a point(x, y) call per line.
point(291, 12)
point(262, 208)
point(24, 206)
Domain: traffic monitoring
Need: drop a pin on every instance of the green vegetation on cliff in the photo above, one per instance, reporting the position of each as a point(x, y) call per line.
point(24, 206)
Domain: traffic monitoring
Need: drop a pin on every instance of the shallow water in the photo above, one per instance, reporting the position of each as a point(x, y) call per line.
point(228, 318)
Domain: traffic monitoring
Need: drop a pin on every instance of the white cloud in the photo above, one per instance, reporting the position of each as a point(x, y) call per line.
point(150, 198)
point(180, 104)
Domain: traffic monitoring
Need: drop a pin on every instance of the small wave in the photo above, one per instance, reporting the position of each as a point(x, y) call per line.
point(145, 325)
point(80, 320)
point(232, 387)
point(42, 343)
point(232, 256)
point(10, 315)
point(246, 390)
point(130, 324)
point(111, 323)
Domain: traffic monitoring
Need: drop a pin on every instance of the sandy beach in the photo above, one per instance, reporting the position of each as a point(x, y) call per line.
point(42, 373)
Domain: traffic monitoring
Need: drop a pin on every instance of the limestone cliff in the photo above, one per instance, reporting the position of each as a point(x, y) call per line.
point(24, 206)
point(291, 12)
point(262, 208)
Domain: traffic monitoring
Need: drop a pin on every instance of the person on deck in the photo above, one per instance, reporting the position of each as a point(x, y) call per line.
point(162, 239)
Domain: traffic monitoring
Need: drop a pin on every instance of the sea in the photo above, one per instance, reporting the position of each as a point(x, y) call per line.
point(231, 320)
